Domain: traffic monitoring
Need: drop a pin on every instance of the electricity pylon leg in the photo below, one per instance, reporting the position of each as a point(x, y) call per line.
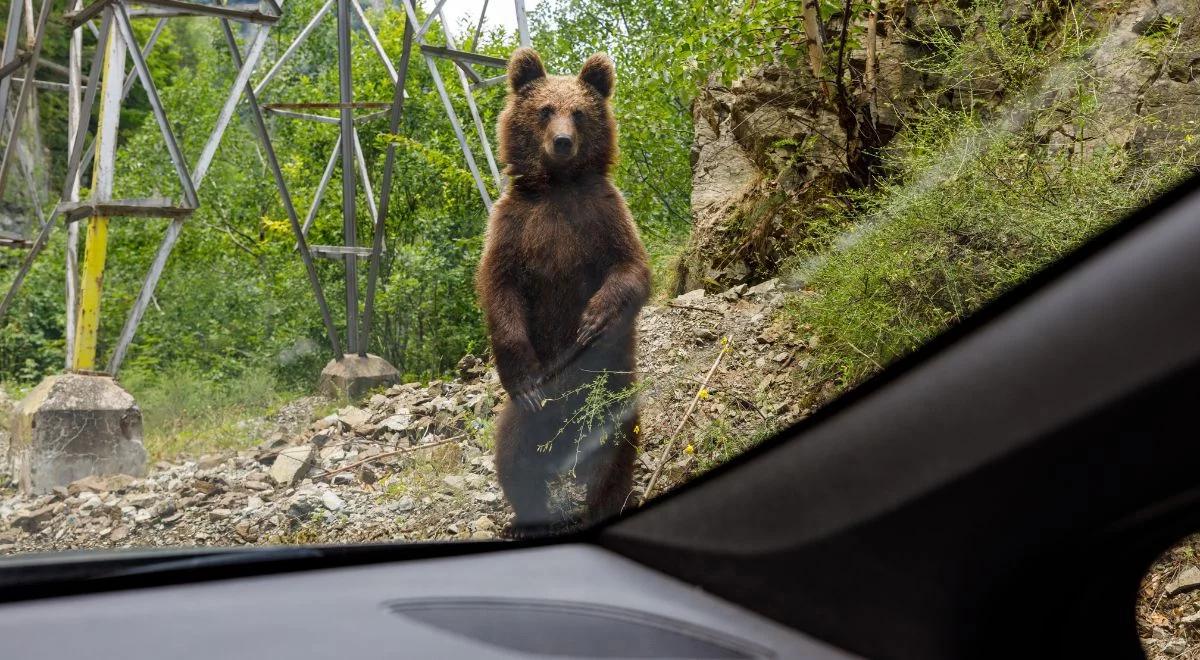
point(96, 241)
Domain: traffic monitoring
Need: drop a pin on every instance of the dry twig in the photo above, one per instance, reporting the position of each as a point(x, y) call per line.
point(687, 415)
point(386, 454)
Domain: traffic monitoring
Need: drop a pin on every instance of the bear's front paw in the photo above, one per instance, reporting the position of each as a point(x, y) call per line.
point(592, 325)
point(530, 397)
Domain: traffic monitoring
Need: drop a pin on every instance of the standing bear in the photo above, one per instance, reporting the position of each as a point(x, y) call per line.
point(561, 282)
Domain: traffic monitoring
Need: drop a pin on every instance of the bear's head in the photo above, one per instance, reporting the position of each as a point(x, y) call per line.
point(557, 127)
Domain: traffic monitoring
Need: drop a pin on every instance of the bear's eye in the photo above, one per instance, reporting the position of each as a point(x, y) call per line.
point(546, 112)
point(577, 116)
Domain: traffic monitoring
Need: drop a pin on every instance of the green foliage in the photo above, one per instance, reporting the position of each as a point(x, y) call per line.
point(234, 298)
point(977, 200)
point(983, 51)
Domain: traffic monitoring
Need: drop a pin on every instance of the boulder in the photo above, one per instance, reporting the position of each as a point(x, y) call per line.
point(292, 464)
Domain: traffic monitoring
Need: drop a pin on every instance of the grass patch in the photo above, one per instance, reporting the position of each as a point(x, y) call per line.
point(184, 413)
point(664, 254)
point(977, 198)
point(926, 251)
point(717, 443)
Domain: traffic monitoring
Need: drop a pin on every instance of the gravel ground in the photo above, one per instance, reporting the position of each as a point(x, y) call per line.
point(414, 462)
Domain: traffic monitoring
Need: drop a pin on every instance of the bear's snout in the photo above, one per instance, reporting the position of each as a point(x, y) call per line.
point(560, 142)
point(563, 144)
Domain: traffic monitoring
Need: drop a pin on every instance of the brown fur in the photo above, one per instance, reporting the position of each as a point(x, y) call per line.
point(562, 279)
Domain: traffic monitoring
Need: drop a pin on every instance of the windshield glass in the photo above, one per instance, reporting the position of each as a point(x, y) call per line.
point(341, 272)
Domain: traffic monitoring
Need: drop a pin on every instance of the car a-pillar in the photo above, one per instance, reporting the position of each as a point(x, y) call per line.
point(354, 375)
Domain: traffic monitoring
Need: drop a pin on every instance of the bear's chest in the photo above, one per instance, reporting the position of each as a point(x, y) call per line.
point(557, 246)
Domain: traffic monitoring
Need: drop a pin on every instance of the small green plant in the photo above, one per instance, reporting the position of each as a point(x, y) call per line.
point(481, 430)
point(718, 442)
point(602, 413)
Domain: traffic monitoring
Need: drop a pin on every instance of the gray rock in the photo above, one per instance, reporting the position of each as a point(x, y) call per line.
point(403, 505)
point(31, 521)
point(1175, 647)
point(325, 422)
point(331, 501)
point(733, 293)
point(353, 376)
point(353, 416)
point(302, 506)
point(1188, 579)
point(141, 500)
point(333, 454)
point(763, 287)
point(292, 464)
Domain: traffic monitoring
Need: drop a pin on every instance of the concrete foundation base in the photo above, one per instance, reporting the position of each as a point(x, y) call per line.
point(72, 426)
point(355, 375)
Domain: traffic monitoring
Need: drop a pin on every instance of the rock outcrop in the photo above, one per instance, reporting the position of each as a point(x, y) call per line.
point(773, 151)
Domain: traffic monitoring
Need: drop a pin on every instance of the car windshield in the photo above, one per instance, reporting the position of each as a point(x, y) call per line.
point(323, 271)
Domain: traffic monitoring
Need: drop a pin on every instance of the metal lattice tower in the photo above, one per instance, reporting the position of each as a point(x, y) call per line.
point(347, 147)
point(106, 86)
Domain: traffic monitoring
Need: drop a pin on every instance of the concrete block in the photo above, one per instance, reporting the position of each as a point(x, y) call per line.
point(72, 426)
point(355, 375)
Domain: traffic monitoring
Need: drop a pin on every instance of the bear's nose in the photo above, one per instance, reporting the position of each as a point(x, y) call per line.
point(562, 145)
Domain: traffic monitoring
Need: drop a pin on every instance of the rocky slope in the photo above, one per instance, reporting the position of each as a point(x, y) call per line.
point(414, 462)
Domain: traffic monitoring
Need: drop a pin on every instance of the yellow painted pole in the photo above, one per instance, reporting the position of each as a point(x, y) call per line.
point(96, 241)
point(95, 253)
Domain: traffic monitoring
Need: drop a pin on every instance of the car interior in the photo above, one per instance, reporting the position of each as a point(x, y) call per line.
point(998, 493)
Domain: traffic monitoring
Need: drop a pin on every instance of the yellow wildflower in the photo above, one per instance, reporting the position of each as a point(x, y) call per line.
point(703, 394)
point(689, 449)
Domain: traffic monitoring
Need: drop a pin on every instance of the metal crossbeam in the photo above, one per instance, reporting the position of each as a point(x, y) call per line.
point(339, 252)
point(13, 241)
point(156, 207)
point(173, 8)
point(462, 56)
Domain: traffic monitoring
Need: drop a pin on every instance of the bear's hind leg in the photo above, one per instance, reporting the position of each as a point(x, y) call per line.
point(523, 475)
point(610, 481)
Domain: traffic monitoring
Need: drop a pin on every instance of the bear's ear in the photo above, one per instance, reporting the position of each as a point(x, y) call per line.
point(524, 67)
point(598, 72)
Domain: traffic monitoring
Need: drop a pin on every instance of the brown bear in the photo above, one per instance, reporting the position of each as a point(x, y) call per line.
point(561, 282)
